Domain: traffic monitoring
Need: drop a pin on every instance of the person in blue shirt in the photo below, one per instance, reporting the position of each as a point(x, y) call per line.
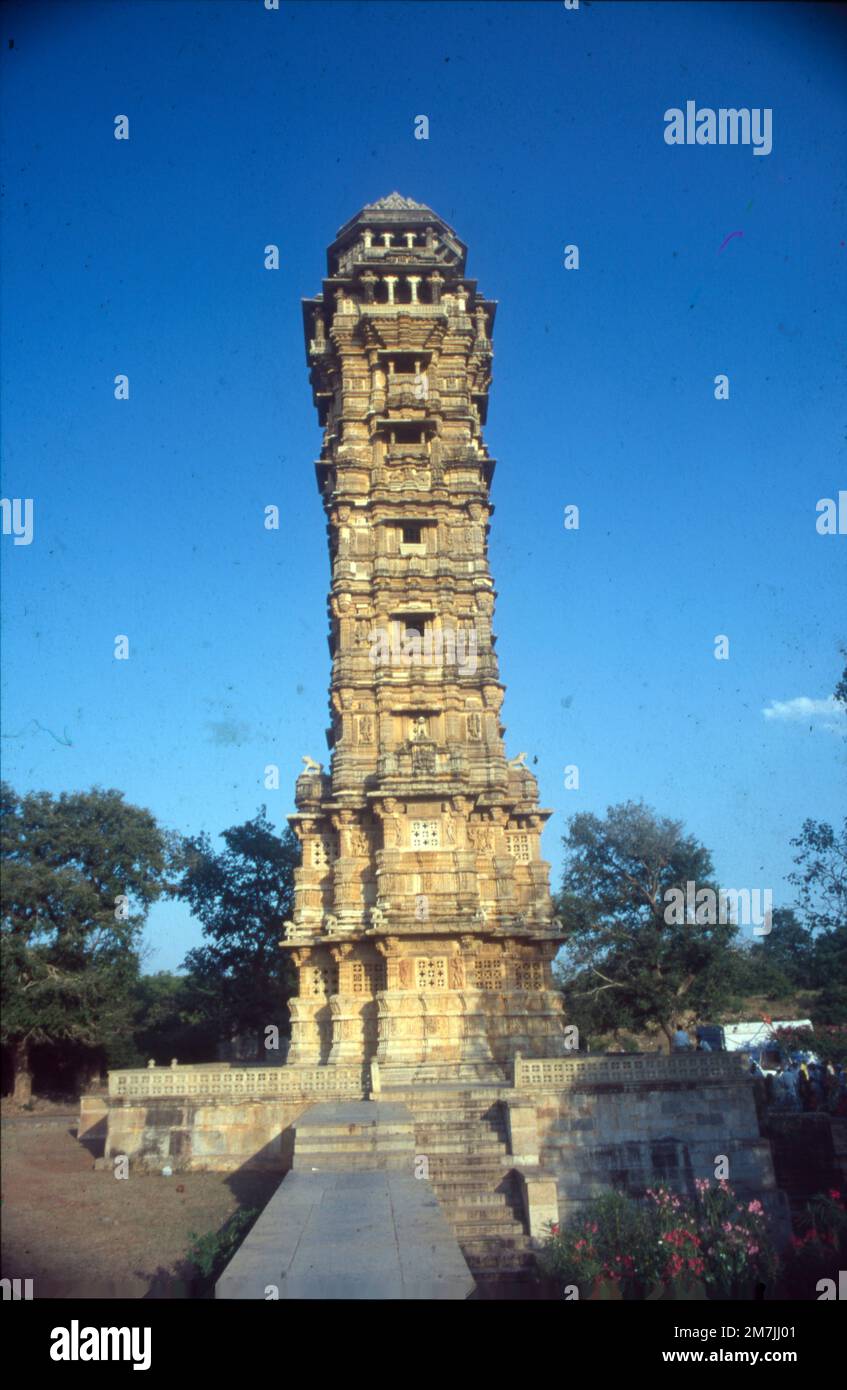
point(681, 1040)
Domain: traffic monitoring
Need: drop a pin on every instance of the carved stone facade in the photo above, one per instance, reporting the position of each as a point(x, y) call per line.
point(423, 926)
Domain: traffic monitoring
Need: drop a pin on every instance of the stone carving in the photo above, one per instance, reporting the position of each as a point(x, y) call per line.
point(481, 837)
point(423, 758)
point(378, 474)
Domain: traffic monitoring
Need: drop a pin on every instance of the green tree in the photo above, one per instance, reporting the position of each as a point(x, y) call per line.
point(788, 951)
point(79, 874)
point(624, 942)
point(172, 1020)
point(821, 874)
point(242, 895)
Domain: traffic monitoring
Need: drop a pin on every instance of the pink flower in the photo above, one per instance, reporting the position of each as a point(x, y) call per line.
point(755, 1207)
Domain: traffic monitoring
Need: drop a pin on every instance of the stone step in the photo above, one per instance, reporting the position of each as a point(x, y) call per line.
point(456, 1075)
point(436, 1097)
point(491, 1254)
point(328, 1162)
point(492, 1230)
point(496, 1161)
point(460, 1124)
point(498, 1266)
point(456, 1193)
point(368, 1131)
point(438, 1143)
point(353, 1143)
point(459, 1205)
point(426, 1103)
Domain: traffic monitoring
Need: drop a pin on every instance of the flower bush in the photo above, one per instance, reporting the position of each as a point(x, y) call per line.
point(711, 1245)
point(818, 1246)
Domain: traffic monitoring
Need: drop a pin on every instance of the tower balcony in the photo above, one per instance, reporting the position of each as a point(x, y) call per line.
point(363, 670)
point(416, 311)
point(407, 393)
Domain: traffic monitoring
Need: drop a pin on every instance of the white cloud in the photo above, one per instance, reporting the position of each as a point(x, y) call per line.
point(824, 714)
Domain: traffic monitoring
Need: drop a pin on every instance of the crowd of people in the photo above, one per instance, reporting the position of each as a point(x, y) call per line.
point(799, 1085)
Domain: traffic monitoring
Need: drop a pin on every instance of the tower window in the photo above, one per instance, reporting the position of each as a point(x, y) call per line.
point(425, 834)
point(518, 847)
point(412, 533)
point(414, 622)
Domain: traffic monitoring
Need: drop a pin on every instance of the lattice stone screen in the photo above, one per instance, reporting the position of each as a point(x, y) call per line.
point(425, 834)
point(368, 977)
point(487, 973)
point(431, 972)
point(529, 975)
point(237, 1083)
point(553, 1072)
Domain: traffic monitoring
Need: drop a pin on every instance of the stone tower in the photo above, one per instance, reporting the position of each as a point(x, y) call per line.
point(423, 930)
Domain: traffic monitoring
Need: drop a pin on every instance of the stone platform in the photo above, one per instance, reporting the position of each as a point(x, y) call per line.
point(349, 1235)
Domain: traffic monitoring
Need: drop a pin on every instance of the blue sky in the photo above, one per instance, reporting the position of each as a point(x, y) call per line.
point(698, 516)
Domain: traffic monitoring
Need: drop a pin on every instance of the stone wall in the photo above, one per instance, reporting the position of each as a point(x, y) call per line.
point(216, 1117)
point(633, 1122)
point(201, 1135)
point(809, 1153)
point(577, 1126)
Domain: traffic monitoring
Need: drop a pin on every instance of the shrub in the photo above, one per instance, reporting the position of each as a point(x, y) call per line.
point(712, 1245)
point(211, 1253)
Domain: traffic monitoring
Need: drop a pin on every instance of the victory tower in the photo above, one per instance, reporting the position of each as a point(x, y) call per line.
point(423, 928)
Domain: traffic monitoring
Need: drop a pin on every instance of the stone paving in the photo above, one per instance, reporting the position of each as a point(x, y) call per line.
point(341, 1235)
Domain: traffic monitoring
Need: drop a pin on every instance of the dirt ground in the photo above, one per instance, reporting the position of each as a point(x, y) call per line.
point(80, 1233)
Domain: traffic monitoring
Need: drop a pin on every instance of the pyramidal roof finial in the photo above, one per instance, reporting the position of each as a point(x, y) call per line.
point(395, 200)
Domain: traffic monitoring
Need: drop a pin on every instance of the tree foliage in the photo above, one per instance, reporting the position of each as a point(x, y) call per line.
point(625, 965)
point(821, 874)
point(242, 895)
point(79, 874)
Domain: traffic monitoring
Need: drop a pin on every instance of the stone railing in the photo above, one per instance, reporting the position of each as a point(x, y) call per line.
point(542, 1073)
point(237, 1083)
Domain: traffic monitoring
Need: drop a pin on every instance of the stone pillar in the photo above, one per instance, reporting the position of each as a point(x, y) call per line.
point(435, 282)
point(306, 1033)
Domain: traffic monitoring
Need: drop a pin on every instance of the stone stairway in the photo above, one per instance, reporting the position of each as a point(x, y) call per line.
point(354, 1136)
point(461, 1132)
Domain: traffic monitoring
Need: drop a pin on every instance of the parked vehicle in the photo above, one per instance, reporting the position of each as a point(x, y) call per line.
point(758, 1040)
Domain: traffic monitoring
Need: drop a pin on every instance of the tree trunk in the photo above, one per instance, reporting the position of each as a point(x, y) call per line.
point(668, 1036)
point(23, 1076)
